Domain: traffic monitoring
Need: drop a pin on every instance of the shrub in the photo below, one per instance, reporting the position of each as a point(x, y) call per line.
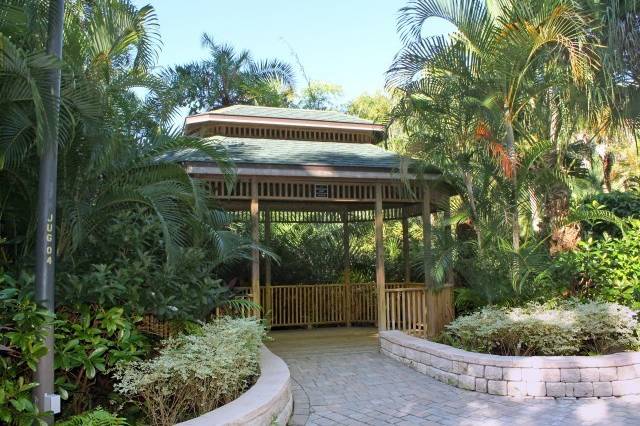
point(194, 374)
point(21, 345)
point(569, 328)
point(607, 269)
point(96, 417)
point(130, 270)
point(622, 204)
point(89, 341)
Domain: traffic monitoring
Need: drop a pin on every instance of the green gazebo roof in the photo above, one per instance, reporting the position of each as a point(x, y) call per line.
point(302, 153)
point(290, 113)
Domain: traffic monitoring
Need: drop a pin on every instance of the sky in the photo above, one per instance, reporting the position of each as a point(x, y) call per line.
point(346, 42)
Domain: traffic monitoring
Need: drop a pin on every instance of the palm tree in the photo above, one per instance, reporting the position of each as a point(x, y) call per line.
point(229, 77)
point(499, 50)
point(114, 154)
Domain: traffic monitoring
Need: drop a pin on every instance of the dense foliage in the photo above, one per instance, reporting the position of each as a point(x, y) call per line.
point(622, 204)
point(521, 107)
point(21, 345)
point(89, 343)
point(567, 328)
point(194, 374)
point(606, 269)
point(97, 417)
point(130, 270)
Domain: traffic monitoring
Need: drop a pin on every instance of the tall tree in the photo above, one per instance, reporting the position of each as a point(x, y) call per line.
point(229, 77)
point(505, 46)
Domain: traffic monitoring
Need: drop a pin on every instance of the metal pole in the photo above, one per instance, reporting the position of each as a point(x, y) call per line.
point(46, 215)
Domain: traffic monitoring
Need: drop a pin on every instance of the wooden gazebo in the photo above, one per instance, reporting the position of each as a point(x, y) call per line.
point(296, 165)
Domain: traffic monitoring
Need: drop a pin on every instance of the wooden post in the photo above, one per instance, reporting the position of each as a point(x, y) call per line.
point(426, 235)
point(405, 246)
point(346, 257)
point(255, 237)
point(267, 262)
point(449, 236)
point(380, 284)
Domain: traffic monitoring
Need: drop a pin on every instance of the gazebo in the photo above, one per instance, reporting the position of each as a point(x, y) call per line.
point(296, 165)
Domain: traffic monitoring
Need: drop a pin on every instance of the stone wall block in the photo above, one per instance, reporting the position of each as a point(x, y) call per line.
point(493, 373)
point(582, 389)
point(608, 374)
point(517, 388)
point(556, 389)
point(550, 374)
point(536, 389)
point(628, 372)
point(589, 375)
point(467, 382)
point(460, 367)
point(442, 363)
point(626, 387)
point(475, 370)
point(497, 387)
point(570, 375)
point(481, 385)
point(512, 374)
point(398, 350)
point(602, 389)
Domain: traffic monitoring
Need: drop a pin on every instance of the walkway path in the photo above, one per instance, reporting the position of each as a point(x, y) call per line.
point(341, 379)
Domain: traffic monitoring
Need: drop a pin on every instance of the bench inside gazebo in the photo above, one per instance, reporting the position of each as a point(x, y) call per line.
point(310, 166)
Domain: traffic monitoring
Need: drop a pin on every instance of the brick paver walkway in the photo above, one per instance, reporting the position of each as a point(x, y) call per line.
point(340, 378)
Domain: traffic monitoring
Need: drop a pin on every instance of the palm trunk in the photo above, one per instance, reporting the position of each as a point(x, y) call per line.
point(472, 203)
point(511, 151)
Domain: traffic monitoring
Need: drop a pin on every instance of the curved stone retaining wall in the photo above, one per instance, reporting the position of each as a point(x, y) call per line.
point(535, 376)
point(267, 402)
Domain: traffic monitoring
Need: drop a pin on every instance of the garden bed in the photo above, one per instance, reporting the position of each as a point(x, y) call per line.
point(269, 400)
point(533, 376)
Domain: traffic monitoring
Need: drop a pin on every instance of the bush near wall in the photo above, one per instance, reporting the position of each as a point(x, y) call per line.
point(569, 328)
point(606, 269)
point(194, 374)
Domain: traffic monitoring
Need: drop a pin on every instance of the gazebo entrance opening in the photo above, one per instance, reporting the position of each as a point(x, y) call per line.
point(332, 174)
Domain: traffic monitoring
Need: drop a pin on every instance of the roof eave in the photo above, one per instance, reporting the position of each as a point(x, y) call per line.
point(208, 117)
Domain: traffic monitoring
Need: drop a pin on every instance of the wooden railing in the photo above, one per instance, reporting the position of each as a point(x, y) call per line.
point(410, 307)
point(321, 304)
point(407, 310)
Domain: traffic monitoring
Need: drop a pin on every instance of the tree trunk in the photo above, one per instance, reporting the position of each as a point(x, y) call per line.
point(511, 151)
point(472, 203)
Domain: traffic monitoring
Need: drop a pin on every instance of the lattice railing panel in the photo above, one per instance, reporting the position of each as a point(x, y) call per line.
point(306, 191)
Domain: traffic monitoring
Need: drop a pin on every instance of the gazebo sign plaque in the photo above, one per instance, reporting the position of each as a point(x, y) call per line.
point(321, 191)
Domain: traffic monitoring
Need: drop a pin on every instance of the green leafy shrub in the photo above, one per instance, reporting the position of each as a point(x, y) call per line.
point(96, 417)
point(568, 328)
point(196, 373)
point(130, 270)
point(622, 204)
point(21, 345)
point(89, 341)
point(606, 269)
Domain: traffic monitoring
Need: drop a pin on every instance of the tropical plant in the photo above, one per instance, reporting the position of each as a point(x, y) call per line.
point(623, 204)
point(605, 269)
point(21, 345)
point(129, 270)
point(564, 328)
point(229, 77)
point(96, 417)
point(89, 342)
point(194, 374)
point(319, 95)
point(497, 69)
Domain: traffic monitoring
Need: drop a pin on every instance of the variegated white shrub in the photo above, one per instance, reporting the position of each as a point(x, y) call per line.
point(567, 328)
point(194, 374)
